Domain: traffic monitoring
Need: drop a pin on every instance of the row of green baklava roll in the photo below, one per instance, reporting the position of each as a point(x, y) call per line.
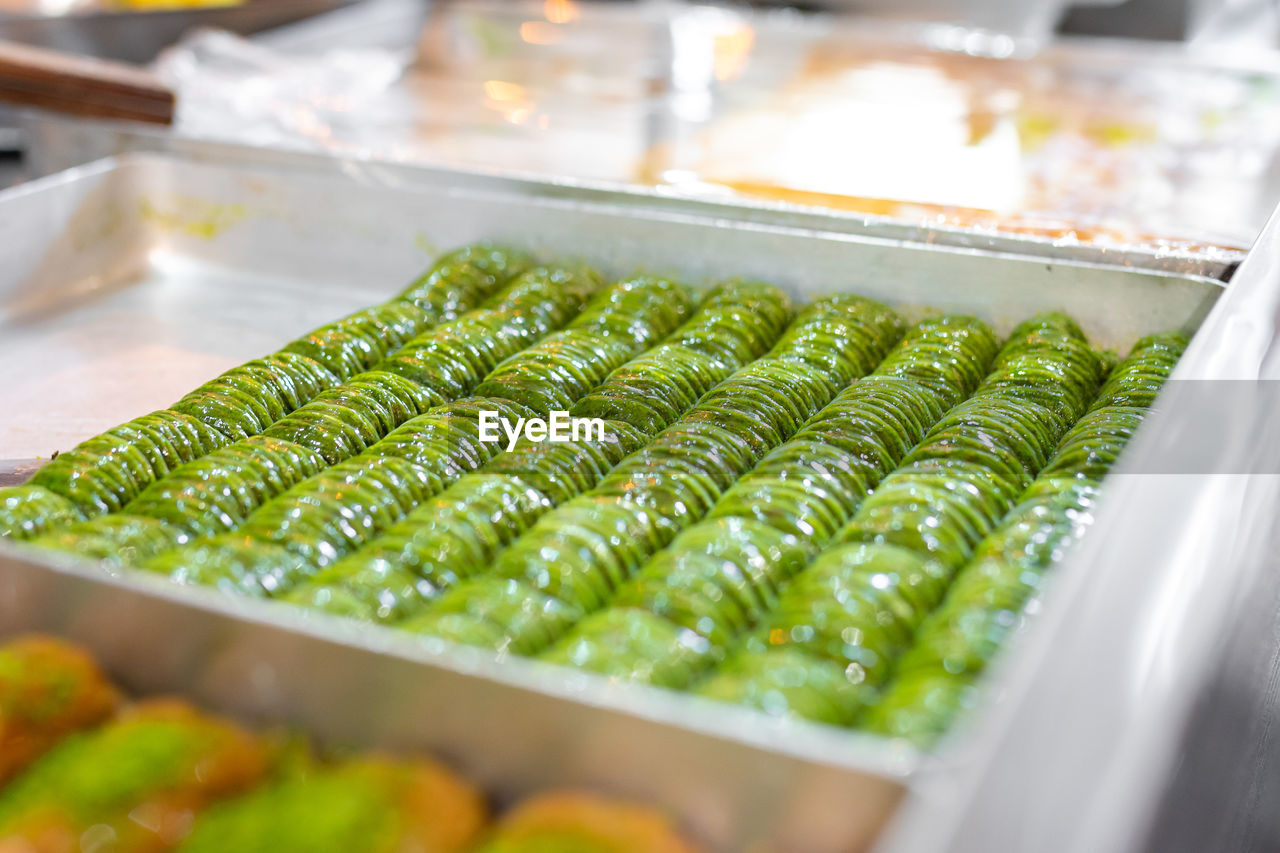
point(935, 679)
point(784, 508)
point(83, 769)
point(577, 556)
point(867, 577)
point(403, 418)
point(106, 472)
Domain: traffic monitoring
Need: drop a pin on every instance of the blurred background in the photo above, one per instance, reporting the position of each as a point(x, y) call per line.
point(1147, 122)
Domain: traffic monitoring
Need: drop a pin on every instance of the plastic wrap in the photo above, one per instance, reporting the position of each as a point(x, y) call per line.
point(767, 107)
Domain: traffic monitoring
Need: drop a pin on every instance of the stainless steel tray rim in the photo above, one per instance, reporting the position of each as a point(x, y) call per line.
point(75, 174)
point(738, 211)
point(1163, 248)
point(620, 202)
point(1215, 264)
point(622, 205)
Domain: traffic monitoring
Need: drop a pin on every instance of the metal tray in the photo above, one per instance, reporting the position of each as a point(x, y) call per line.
point(128, 281)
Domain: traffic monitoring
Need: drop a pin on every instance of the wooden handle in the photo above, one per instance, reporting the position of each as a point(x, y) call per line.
point(82, 86)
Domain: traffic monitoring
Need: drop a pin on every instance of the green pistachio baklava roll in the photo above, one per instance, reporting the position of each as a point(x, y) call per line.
point(856, 608)
point(720, 577)
point(106, 472)
point(459, 532)
point(575, 558)
point(935, 680)
point(30, 510)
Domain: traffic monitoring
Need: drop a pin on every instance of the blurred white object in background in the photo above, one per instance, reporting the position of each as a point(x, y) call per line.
point(1249, 25)
point(1092, 141)
point(1029, 23)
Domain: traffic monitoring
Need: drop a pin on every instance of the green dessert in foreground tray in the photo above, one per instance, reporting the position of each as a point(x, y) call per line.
point(370, 805)
point(48, 690)
point(135, 780)
point(582, 823)
point(83, 769)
